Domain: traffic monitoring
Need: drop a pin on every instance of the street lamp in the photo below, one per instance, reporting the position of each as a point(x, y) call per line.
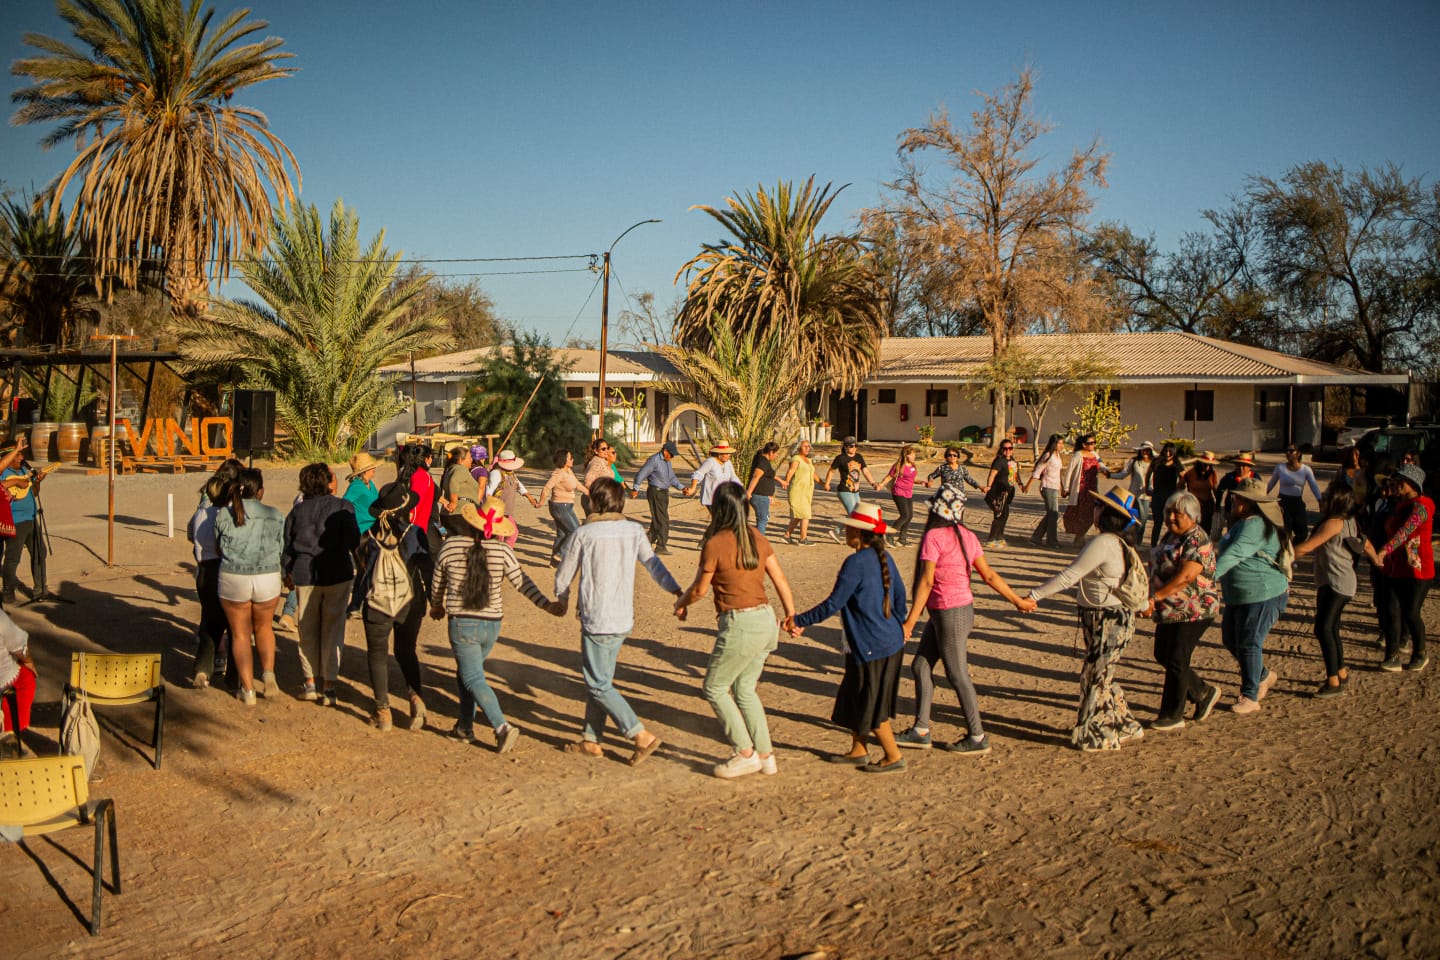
point(605, 321)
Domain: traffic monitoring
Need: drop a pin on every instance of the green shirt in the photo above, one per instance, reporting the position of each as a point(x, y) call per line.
point(362, 493)
point(1246, 567)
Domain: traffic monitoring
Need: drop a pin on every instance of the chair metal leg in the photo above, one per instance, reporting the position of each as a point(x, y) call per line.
point(114, 846)
point(159, 737)
point(99, 886)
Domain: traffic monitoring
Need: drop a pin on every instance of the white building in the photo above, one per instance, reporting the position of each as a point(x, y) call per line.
point(1225, 396)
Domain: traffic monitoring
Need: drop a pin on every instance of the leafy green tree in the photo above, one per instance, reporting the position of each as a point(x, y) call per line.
point(465, 306)
point(166, 164)
point(496, 395)
point(777, 274)
point(1005, 237)
point(46, 291)
point(327, 319)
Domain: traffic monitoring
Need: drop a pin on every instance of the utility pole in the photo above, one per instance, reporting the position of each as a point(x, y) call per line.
point(605, 322)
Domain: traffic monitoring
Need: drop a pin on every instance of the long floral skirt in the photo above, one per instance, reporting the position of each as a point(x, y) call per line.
point(1104, 719)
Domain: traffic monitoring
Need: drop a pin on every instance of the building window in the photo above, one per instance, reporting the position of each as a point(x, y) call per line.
point(937, 403)
point(1113, 393)
point(886, 396)
point(1199, 405)
point(574, 393)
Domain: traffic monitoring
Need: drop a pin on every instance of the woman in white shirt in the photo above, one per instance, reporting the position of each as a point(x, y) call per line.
point(1292, 477)
point(1049, 468)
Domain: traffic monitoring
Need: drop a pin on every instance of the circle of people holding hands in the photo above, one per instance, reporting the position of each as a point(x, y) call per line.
point(1221, 548)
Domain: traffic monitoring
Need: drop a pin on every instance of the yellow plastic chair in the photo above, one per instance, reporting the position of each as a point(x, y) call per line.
point(120, 679)
point(46, 794)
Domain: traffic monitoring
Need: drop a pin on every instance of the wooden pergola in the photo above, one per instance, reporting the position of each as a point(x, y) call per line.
point(140, 364)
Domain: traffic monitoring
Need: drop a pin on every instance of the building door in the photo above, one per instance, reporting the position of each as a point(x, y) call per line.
point(662, 413)
point(848, 414)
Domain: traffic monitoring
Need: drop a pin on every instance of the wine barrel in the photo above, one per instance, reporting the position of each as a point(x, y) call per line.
point(68, 440)
point(100, 445)
point(42, 437)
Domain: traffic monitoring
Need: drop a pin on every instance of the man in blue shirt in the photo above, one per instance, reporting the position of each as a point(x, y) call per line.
point(23, 509)
point(661, 477)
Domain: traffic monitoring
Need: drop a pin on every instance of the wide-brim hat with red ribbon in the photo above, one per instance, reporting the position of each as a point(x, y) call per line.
point(721, 447)
point(1208, 457)
point(490, 518)
point(1244, 458)
point(867, 518)
point(508, 461)
point(1121, 500)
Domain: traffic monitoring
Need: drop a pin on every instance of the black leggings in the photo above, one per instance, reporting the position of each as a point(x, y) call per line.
point(1174, 646)
point(1328, 607)
point(997, 525)
point(406, 628)
point(1406, 597)
point(213, 627)
point(905, 512)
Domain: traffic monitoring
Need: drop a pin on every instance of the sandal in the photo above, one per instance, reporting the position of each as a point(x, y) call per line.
point(581, 747)
point(642, 752)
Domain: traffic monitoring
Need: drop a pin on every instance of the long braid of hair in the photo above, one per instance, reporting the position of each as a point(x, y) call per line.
point(475, 590)
point(877, 544)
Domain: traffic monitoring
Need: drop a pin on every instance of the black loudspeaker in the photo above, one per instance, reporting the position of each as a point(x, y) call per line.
point(253, 414)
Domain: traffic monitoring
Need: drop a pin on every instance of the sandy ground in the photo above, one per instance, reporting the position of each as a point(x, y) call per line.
point(289, 830)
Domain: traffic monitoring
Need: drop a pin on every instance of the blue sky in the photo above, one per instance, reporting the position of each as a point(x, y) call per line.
point(525, 129)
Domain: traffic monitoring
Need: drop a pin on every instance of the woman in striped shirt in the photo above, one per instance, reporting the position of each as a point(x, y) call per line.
point(467, 582)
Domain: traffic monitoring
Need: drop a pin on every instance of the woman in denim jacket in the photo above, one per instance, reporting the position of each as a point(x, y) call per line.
point(251, 538)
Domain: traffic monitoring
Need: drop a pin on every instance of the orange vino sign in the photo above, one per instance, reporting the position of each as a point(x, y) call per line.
point(171, 440)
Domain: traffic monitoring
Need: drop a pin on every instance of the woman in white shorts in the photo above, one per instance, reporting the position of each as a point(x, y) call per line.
point(251, 537)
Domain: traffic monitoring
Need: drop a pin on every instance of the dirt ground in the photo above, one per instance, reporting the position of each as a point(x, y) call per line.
point(292, 830)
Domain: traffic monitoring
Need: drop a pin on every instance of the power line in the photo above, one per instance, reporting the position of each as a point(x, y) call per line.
point(159, 261)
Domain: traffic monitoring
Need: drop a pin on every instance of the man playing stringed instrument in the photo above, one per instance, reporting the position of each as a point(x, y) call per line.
point(20, 481)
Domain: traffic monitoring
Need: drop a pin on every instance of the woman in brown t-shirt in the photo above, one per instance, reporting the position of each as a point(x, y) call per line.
point(735, 559)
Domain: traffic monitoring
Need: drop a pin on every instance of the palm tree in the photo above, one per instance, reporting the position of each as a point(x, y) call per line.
point(818, 293)
point(165, 164)
point(330, 318)
point(747, 383)
point(45, 283)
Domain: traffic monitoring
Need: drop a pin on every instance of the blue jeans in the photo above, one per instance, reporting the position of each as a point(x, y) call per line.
point(849, 501)
point(565, 523)
point(762, 511)
point(1243, 630)
point(598, 655)
point(292, 604)
point(471, 640)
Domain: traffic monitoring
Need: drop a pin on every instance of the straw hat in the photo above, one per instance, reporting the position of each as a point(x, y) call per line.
point(1244, 458)
point(1119, 499)
point(361, 462)
point(490, 519)
point(1209, 458)
point(948, 504)
point(866, 518)
point(721, 447)
point(1253, 489)
point(508, 461)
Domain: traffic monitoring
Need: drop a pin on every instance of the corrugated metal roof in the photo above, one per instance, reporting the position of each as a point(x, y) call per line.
point(1163, 356)
point(1166, 357)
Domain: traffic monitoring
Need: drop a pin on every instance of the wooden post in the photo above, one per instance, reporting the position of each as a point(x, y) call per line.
point(114, 339)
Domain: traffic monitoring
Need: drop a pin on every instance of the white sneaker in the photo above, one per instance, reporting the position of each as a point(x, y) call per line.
point(246, 697)
point(767, 766)
point(738, 766)
point(1245, 705)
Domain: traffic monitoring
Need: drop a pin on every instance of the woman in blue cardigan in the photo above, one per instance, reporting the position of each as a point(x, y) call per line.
point(870, 598)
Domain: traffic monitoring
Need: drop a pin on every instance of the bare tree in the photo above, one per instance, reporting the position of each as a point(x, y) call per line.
point(1005, 232)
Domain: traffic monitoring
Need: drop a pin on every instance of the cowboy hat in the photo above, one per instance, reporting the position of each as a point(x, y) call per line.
point(1119, 499)
point(1253, 489)
point(1208, 457)
point(1244, 457)
point(361, 462)
point(867, 518)
point(721, 447)
point(394, 496)
point(508, 461)
point(948, 504)
point(489, 519)
point(1412, 475)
